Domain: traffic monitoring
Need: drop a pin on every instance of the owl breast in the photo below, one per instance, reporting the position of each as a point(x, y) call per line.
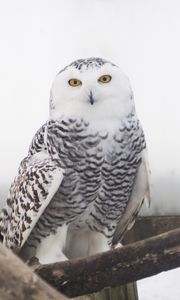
point(99, 171)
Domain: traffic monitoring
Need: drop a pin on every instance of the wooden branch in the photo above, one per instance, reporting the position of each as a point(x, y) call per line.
point(113, 268)
point(17, 281)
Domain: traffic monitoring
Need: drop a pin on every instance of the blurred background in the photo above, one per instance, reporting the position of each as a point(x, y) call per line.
point(39, 37)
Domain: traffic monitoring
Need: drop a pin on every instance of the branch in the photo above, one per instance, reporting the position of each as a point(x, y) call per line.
point(116, 267)
point(17, 281)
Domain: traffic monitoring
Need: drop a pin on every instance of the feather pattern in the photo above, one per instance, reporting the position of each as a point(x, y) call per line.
point(85, 172)
point(32, 190)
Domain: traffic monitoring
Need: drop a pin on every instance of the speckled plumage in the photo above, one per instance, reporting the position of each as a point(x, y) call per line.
point(85, 175)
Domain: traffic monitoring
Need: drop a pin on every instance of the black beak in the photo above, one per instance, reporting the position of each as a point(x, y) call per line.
point(91, 99)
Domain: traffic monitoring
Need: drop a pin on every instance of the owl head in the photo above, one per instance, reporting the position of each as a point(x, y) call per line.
point(92, 88)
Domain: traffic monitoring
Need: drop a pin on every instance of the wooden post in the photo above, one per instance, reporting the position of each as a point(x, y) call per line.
point(124, 292)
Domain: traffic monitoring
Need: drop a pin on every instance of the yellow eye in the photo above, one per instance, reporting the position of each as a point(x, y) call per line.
point(74, 82)
point(105, 79)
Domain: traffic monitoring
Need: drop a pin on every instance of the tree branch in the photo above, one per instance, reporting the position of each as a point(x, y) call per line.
point(17, 281)
point(113, 268)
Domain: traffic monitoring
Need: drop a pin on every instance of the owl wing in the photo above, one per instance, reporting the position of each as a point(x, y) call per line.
point(141, 190)
point(36, 183)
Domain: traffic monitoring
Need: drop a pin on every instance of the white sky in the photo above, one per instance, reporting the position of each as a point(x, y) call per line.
point(39, 37)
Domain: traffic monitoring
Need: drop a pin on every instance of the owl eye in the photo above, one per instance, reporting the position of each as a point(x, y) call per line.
point(74, 82)
point(105, 79)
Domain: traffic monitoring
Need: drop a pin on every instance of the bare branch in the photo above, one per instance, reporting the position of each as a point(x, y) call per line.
point(17, 281)
point(113, 268)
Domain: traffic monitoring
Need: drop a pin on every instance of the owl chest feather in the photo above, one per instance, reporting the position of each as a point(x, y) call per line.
point(99, 170)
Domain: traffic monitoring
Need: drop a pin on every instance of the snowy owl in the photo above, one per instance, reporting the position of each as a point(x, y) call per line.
point(86, 174)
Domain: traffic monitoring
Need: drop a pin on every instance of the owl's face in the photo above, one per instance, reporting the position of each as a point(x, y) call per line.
point(91, 88)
